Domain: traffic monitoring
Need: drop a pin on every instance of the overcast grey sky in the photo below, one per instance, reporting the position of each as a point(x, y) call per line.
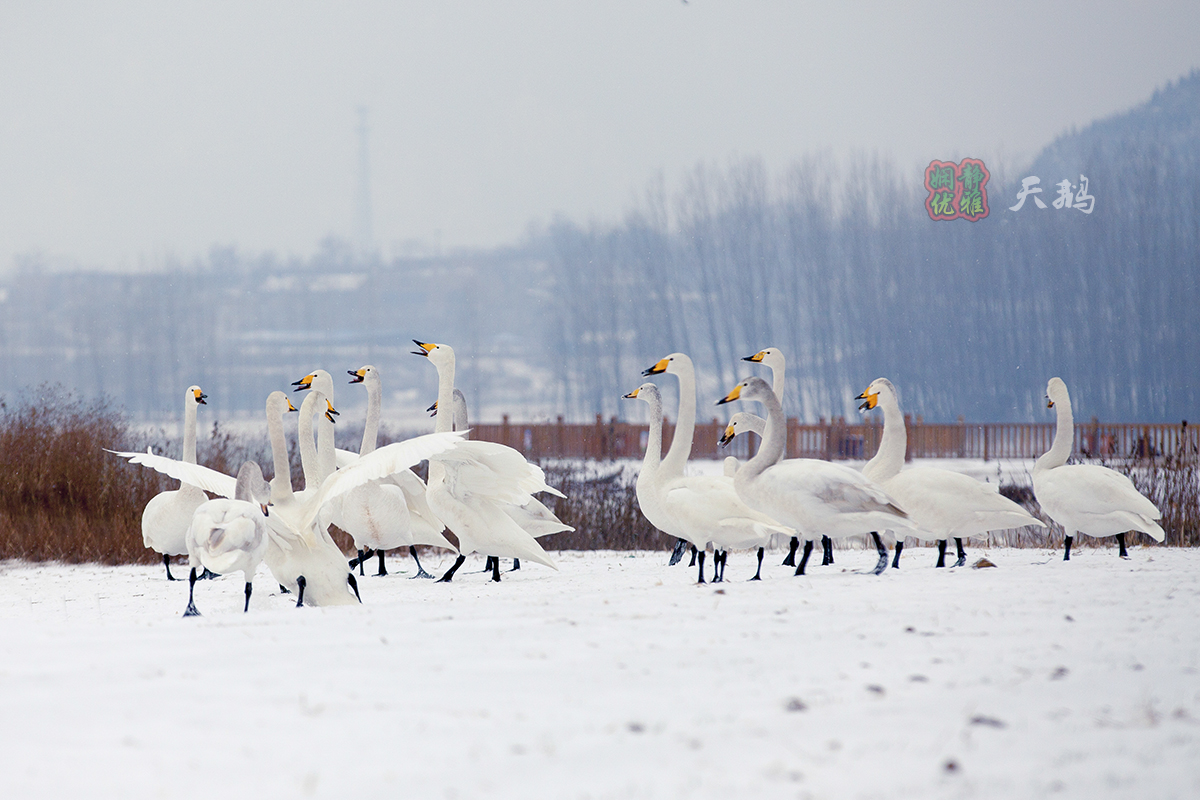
point(130, 131)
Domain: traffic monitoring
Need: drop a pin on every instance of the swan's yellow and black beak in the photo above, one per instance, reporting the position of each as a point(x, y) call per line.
point(426, 348)
point(872, 400)
point(200, 397)
point(356, 375)
point(736, 394)
point(264, 510)
point(1049, 402)
point(632, 394)
point(292, 407)
point(727, 436)
point(331, 412)
point(432, 409)
point(658, 368)
point(303, 383)
point(756, 358)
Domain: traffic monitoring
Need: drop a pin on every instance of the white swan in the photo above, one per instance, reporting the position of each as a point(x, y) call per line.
point(166, 518)
point(1087, 498)
point(698, 509)
point(230, 535)
point(470, 485)
point(808, 494)
point(391, 512)
point(942, 503)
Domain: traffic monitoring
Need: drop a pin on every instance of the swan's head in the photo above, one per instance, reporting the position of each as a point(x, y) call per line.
point(278, 404)
point(871, 395)
point(749, 389)
point(1056, 392)
point(771, 357)
point(251, 486)
point(647, 391)
point(437, 353)
point(196, 396)
point(738, 423)
point(363, 374)
point(673, 364)
point(318, 379)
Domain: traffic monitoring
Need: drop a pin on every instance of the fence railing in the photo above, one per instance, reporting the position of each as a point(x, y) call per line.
point(839, 440)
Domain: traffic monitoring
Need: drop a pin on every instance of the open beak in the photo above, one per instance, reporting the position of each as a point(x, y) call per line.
point(200, 397)
point(872, 400)
point(356, 375)
point(756, 358)
point(426, 348)
point(292, 407)
point(265, 512)
point(727, 436)
point(1049, 402)
point(432, 409)
point(303, 383)
point(736, 394)
point(632, 394)
point(331, 412)
point(658, 368)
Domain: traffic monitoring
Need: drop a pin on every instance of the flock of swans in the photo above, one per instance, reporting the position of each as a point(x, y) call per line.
point(482, 492)
point(480, 496)
point(808, 499)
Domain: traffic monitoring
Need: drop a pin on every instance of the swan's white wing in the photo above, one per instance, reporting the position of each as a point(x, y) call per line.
point(207, 479)
point(344, 458)
point(385, 461)
point(535, 519)
point(497, 471)
point(947, 503)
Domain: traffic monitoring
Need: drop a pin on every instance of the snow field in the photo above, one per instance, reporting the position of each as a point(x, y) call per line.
point(616, 677)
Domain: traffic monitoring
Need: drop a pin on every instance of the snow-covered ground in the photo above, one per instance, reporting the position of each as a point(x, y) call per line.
point(616, 677)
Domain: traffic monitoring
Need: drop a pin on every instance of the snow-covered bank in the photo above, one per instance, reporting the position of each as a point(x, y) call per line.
point(615, 677)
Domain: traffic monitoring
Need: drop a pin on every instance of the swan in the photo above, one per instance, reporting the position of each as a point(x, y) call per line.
point(470, 486)
point(773, 357)
point(808, 494)
point(303, 558)
point(737, 525)
point(391, 512)
point(166, 517)
point(697, 509)
point(1087, 498)
point(230, 535)
point(941, 502)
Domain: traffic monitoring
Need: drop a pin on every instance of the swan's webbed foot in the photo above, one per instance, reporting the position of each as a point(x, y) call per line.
point(793, 546)
point(249, 589)
point(421, 573)
point(284, 590)
point(301, 582)
point(882, 564)
point(167, 564)
point(382, 569)
point(516, 565)
point(1067, 549)
point(1121, 541)
point(808, 547)
point(962, 554)
point(449, 576)
point(191, 611)
point(896, 560)
point(758, 572)
point(941, 554)
point(350, 579)
point(826, 551)
point(677, 552)
point(208, 575)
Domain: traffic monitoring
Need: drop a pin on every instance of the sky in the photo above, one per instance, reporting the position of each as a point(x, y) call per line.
point(136, 134)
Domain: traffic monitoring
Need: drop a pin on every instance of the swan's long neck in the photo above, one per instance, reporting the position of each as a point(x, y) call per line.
point(281, 481)
point(777, 383)
point(681, 442)
point(304, 432)
point(889, 459)
point(653, 458)
point(444, 422)
point(770, 450)
point(374, 409)
point(460, 412)
point(1064, 439)
point(326, 458)
point(189, 430)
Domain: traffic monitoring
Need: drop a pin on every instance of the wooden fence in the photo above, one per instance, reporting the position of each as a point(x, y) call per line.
point(838, 440)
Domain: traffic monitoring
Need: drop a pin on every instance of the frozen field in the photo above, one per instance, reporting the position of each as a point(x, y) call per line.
point(616, 677)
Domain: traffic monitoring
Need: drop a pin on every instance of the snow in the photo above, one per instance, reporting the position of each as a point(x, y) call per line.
point(615, 677)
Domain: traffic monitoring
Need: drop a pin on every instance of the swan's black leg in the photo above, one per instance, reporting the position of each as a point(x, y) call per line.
point(249, 589)
point(826, 551)
point(1067, 550)
point(677, 553)
point(382, 568)
point(167, 564)
point(496, 570)
point(191, 606)
point(962, 554)
point(449, 576)
point(350, 579)
point(700, 558)
point(301, 582)
point(692, 563)
point(716, 578)
point(896, 560)
point(358, 562)
point(941, 553)
point(1121, 542)
point(758, 572)
point(516, 565)
point(487, 565)
point(793, 546)
point(724, 562)
point(421, 573)
point(808, 546)
point(883, 555)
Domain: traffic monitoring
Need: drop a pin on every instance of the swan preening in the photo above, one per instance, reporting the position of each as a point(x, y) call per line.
point(1087, 498)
